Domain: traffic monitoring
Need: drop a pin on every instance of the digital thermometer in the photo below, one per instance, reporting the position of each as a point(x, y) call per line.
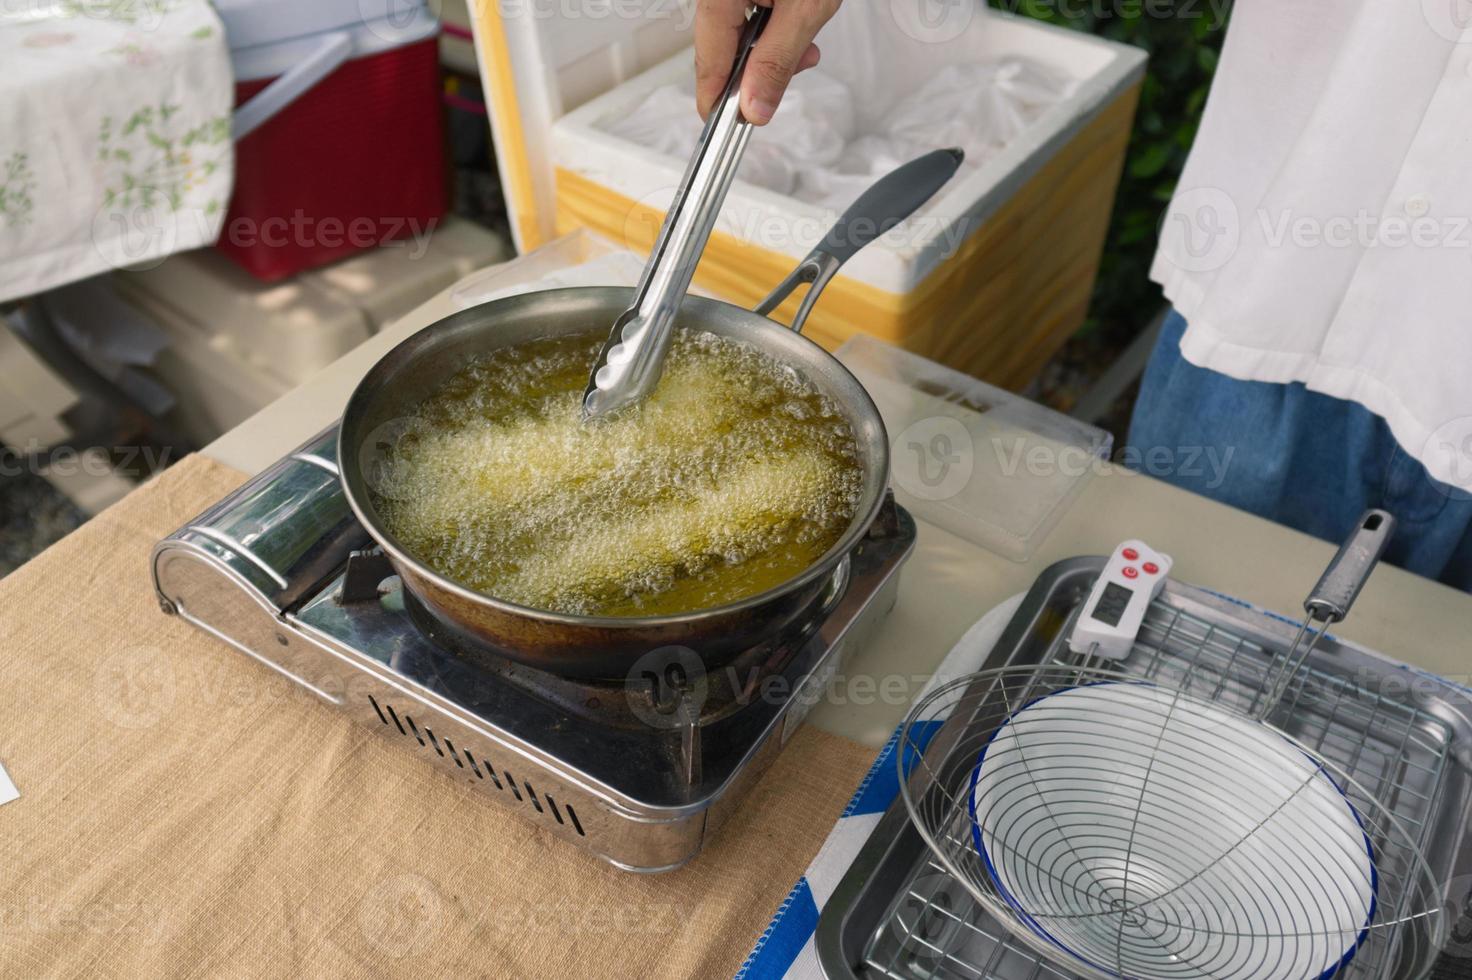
point(1116, 607)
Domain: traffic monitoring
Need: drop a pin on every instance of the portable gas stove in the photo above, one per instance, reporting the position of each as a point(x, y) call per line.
point(640, 772)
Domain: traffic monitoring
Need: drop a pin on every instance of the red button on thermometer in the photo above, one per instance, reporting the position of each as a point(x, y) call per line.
point(1116, 607)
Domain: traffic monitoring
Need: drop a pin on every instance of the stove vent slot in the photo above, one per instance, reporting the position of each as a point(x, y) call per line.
point(482, 767)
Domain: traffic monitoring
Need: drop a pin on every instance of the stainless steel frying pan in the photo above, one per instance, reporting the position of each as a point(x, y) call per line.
point(594, 646)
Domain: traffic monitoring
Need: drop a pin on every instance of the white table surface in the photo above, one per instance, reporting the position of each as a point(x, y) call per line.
point(949, 583)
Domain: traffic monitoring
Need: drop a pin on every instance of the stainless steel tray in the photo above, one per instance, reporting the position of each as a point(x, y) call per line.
point(1404, 736)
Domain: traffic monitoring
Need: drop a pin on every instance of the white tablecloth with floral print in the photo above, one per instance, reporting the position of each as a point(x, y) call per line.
point(114, 136)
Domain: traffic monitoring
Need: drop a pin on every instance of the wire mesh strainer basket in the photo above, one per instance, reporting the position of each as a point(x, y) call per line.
point(1130, 829)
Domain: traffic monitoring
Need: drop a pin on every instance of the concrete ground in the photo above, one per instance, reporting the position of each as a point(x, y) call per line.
point(33, 515)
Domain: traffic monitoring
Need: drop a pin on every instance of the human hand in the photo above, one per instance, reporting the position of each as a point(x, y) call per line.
point(786, 48)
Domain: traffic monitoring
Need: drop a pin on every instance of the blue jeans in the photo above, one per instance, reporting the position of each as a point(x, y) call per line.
point(1304, 459)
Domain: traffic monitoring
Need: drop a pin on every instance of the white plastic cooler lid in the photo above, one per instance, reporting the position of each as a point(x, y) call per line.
point(252, 22)
point(269, 37)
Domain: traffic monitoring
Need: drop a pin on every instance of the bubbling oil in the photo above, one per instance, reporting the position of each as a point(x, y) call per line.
point(735, 475)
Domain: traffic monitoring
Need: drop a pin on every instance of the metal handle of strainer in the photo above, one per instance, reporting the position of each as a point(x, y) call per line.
point(1334, 594)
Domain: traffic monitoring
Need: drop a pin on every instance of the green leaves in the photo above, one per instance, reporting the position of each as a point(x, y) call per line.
point(142, 117)
point(16, 185)
point(150, 162)
point(1151, 159)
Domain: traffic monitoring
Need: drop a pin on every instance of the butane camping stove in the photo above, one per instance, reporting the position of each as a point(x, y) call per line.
point(640, 772)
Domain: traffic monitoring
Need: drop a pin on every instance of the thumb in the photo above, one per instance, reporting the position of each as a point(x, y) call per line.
point(785, 48)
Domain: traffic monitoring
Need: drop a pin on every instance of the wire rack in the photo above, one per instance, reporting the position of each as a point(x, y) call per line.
point(1388, 757)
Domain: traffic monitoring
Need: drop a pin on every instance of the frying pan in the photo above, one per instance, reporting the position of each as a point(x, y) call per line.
point(386, 402)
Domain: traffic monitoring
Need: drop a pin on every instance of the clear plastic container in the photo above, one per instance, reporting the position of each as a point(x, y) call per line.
point(981, 462)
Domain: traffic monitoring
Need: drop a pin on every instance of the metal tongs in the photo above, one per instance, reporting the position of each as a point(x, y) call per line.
point(1332, 597)
point(629, 366)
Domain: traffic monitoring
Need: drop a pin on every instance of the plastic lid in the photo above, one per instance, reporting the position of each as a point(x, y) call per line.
point(981, 462)
point(252, 22)
point(294, 54)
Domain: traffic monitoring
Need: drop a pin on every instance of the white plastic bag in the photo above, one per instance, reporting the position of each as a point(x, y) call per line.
point(812, 129)
point(809, 132)
point(978, 107)
point(665, 122)
point(863, 161)
point(882, 96)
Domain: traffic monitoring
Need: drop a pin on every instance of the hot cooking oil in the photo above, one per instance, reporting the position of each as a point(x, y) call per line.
point(733, 477)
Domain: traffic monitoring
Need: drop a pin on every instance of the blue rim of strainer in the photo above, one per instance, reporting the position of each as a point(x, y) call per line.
point(1037, 928)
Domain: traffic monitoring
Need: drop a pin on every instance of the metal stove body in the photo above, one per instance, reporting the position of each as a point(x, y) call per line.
point(640, 772)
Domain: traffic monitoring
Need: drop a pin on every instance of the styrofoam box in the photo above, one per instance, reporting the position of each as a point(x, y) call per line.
point(898, 262)
point(32, 396)
point(236, 344)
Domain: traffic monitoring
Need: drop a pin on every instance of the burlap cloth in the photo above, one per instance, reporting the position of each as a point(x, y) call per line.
point(184, 812)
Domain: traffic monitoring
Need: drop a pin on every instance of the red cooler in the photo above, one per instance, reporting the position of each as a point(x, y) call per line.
point(338, 129)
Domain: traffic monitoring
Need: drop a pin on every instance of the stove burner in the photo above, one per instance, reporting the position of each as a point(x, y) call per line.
point(655, 689)
point(638, 769)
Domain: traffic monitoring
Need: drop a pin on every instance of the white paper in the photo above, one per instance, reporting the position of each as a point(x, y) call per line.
point(8, 791)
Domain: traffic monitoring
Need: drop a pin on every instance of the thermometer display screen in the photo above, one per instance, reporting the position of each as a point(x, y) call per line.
point(1112, 603)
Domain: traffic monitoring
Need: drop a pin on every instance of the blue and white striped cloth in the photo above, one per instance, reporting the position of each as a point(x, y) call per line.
point(785, 948)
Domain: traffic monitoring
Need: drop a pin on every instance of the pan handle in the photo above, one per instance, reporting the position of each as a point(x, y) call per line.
point(891, 200)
